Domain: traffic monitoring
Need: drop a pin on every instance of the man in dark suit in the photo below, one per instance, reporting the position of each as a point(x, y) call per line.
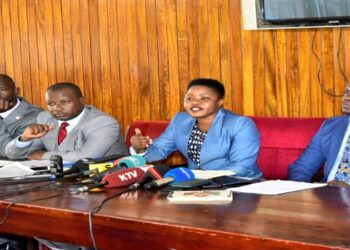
point(88, 132)
point(15, 112)
point(329, 147)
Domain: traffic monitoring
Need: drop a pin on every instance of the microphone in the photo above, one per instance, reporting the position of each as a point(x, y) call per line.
point(77, 167)
point(85, 165)
point(130, 161)
point(153, 173)
point(124, 177)
point(174, 175)
point(125, 162)
point(56, 164)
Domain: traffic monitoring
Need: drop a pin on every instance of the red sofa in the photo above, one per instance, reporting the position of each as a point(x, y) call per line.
point(282, 140)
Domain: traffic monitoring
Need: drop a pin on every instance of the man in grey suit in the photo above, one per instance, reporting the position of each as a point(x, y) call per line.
point(15, 115)
point(15, 112)
point(88, 132)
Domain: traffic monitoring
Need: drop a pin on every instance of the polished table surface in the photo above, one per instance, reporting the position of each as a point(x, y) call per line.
point(310, 219)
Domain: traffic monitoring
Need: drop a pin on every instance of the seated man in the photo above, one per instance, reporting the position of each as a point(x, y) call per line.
point(69, 128)
point(329, 147)
point(15, 112)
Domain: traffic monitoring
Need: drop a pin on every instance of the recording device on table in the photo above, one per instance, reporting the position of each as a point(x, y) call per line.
point(180, 174)
point(191, 184)
point(226, 181)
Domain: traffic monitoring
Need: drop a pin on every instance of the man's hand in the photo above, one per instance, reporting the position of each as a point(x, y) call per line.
point(140, 142)
point(36, 155)
point(35, 131)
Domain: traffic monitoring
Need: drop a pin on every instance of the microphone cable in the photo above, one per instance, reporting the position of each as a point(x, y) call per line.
point(97, 209)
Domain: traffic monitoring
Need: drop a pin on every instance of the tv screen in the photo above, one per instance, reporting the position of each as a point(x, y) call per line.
point(306, 12)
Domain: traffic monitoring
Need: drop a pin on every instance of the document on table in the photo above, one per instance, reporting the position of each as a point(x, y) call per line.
point(22, 168)
point(31, 163)
point(274, 187)
point(15, 169)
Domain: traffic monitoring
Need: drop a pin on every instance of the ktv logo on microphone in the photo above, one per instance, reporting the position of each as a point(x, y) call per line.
point(128, 175)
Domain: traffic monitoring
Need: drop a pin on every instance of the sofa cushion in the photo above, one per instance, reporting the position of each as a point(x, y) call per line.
point(282, 142)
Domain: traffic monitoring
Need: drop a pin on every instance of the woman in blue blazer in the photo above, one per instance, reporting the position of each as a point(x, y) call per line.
point(209, 136)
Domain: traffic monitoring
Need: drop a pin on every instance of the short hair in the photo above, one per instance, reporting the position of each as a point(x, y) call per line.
point(210, 83)
point(8, 80)
point(66, 85)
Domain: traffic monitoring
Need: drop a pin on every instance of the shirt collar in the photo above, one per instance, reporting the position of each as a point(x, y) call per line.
point(74, 121)
point(8, 112)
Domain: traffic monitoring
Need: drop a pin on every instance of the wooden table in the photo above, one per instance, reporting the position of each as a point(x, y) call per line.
point(311, 219)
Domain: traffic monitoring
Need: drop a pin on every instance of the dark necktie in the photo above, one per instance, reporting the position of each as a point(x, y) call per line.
point(62, 133)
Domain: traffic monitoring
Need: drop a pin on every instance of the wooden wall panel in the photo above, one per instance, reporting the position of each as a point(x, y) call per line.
point(25, 52)
point(2, 43)
point(235, 89)
point(228, 65)
point(33, 56)
point(7, 33)
point(183, 47)
point(304, 75)
point(152, 41)
point(133, 58)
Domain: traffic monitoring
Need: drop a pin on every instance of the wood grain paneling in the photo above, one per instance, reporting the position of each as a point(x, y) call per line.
point(133, 58)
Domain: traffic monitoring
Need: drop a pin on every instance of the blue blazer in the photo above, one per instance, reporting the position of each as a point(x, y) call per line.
point(232, 143)
point(323, 149)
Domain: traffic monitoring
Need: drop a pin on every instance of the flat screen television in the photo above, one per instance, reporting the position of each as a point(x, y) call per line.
point(305, 12)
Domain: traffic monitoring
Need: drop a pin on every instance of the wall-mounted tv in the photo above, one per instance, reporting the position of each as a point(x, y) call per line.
point(305, 12)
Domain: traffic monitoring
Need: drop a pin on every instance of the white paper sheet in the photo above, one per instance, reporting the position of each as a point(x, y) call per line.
point(31, 163)
point(5, 162)
point(276, 187)
point(15, 169)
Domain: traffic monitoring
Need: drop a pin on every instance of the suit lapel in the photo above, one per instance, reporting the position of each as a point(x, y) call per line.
point(185, 129)
point(52, 137)
point(211, 142)
point(337, 139)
